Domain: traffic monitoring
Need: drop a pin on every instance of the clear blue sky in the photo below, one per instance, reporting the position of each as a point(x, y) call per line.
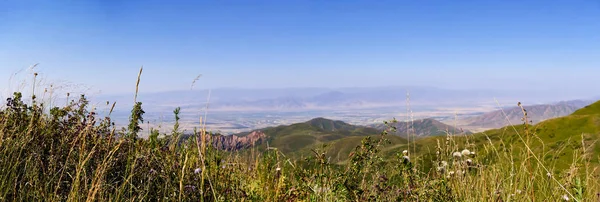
point(453, 44)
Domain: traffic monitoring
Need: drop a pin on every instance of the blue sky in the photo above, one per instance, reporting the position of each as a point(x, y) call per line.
point(271, 44)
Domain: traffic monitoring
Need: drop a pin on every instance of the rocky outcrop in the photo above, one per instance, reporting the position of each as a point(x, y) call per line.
point(234, 142)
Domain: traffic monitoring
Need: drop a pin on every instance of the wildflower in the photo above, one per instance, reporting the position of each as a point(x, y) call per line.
point(405, 152)
point(451, 173)
point(565, 197)
point(472, 153)
point(223, 166)
point(444, 163)
point(190, 187)
point(406, 159)
point(465, 152)
point(469, 161)
point(456, 154)
point(197, 171)
point(441, 169)
point(278, 169)
point(548, 174)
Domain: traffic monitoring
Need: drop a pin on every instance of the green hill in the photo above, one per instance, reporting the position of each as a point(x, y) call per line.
point(336, 139)
point(422, 128)
point(293, 138)
point(553, 141)
point(330, 125)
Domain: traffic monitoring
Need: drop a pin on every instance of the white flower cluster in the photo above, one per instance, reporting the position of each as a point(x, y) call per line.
point(405, 157)
point(462, 160)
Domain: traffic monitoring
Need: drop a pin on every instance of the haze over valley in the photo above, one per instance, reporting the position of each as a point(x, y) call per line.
point(240, 110)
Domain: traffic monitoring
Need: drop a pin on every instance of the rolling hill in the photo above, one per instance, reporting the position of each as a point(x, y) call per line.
point(422, 128)
point(317, 131)
point(291, 138)
point(297, 140)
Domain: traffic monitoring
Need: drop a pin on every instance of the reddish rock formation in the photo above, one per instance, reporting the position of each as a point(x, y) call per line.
point(234, 143)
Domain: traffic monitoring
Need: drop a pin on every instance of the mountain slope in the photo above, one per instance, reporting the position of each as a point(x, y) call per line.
point(536, 114)
point(422, 128)
point(592, 109)
point(555, 141)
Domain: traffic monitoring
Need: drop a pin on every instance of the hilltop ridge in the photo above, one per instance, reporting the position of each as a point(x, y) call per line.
point(589, 110)
point(423, 128)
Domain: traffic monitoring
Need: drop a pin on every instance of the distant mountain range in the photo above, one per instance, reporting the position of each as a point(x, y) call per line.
point(535, 113)
point(298, 99)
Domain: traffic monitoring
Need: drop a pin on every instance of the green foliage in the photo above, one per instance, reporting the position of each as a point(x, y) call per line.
point(135, 120)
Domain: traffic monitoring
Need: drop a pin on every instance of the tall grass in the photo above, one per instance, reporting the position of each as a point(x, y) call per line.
point(69, 153)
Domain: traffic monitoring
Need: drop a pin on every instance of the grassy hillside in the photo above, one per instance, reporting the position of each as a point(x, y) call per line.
point(338, 151)
point(592, 109)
